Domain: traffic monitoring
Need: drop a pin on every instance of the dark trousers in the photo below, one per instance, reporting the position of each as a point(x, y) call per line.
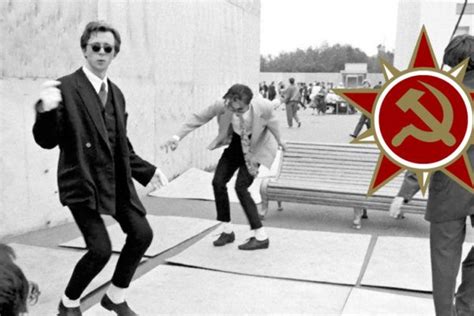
point(99, 248)
point(231, 160)
point(362, 120)
point(292, 112)
point(446, 241)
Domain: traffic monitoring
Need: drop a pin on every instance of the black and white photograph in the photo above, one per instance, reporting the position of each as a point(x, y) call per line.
point(220, 157)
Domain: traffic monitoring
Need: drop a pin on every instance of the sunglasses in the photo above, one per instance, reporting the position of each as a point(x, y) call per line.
point(96, 47)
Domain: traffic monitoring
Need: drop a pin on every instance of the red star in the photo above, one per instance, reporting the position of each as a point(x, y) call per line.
point(377, 104)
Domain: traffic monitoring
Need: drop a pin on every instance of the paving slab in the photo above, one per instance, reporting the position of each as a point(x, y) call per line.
point(181, 290)
point(301, 255)
point(402, 263)
point(374, 303)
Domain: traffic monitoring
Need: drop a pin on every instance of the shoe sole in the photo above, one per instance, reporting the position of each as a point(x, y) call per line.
point(223, 244)
point(258, 248)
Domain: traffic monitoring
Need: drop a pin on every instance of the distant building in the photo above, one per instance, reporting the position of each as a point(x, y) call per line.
point(439, 17)
point(354, 74)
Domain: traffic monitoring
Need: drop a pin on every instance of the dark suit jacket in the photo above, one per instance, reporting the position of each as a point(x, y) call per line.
point(86, 172)
point(447, 200)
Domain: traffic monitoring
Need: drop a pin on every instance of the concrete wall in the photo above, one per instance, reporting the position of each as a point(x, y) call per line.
point(176, 57)
point(439, 17)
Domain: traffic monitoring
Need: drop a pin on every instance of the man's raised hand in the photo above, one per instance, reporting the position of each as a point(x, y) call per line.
point(50, 95)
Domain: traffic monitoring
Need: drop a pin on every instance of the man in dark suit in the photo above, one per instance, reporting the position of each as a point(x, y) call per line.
point(84, 114)
point(449, 205)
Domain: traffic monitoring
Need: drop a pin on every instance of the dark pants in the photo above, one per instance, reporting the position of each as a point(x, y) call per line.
point(292, 112)
point(446, 241)
point(139, 237)
point(231, 160)
point(362, 120)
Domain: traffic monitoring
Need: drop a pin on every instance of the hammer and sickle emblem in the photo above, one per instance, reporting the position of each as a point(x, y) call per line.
point(439, 130)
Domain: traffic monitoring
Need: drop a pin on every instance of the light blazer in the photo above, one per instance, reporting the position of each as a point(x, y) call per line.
point(86, 172)
point(263, 146)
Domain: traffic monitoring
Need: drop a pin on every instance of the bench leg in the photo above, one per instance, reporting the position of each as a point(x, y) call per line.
point(280, 208)
point(357, 222)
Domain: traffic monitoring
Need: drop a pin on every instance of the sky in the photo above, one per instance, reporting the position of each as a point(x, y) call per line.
point(290, 24)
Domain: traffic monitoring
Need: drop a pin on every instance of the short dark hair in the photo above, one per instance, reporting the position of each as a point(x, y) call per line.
point(100, 26)
point(14, 286)
point(240, 92)
point(458, 49)
point(292, 80)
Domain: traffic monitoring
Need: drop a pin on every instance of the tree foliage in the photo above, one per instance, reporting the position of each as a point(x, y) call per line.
point(323, 59)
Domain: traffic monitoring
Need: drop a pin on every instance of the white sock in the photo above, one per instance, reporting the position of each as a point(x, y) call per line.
point(227, 227)
point(260, 234)
point(116, 294)
point(70, 303)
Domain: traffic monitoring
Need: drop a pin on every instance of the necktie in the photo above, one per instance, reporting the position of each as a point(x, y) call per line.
point(252, 167)
point(103, 94)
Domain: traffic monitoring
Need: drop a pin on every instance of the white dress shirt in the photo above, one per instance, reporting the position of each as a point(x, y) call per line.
point(247, 122)
point(96, 81)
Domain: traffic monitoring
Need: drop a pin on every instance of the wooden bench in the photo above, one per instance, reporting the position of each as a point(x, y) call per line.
point(332, 174)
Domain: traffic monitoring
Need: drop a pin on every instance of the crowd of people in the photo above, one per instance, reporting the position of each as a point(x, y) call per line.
point(318, 96)
point(315, 95)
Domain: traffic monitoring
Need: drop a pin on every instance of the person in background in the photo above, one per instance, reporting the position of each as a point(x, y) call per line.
point(449, 206)
point(363, 120)
point(292, 99)
point(16, 292)
point(271, 91)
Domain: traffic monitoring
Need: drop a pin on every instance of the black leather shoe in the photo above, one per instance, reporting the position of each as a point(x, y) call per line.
point(254, 244)
point(224, 239)
point(121, 309)
point(68, 311)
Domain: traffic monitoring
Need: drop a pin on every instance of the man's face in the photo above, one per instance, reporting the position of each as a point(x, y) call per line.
point(100, 52)
point(237, 106)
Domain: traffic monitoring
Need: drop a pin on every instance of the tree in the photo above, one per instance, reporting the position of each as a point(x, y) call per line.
point(323, 59)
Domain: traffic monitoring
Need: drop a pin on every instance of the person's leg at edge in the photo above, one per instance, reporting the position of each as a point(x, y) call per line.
point(465, 292)
point(446, 241)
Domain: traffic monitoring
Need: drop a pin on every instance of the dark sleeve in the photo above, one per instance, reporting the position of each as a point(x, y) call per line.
point(409, 186)
point(142, 170)
point(45, 128)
